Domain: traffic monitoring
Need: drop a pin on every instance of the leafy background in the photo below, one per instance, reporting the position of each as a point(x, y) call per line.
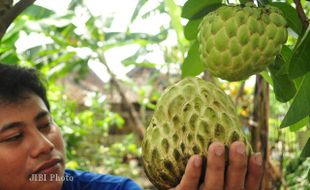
point(98, 136)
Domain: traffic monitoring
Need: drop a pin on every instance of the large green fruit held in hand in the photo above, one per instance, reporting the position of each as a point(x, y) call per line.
point(189, 116)
point(236, 42)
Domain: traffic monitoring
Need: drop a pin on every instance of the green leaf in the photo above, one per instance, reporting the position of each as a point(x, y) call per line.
point(194, 9)
point(192, 65)
point(262, 2)
point(306, 150)
point(138, 8)
point(284, 88)
point(191, 29)
point(48, 52)
point(175, 16)
point(142, 64)
point(37, 12)
point(19, 25)
point(300, 60)
point(9, 57)
point(300, 107)
point(266, 77)
point(286, 54)
point(300, 124)
point(243, 1)
point(68, 56)
point(290, 15)
point(9, 41)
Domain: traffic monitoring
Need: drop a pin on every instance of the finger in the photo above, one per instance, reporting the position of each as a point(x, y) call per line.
point(255, 172)
point(190, 179)
point(214, 178)
point(236, 171)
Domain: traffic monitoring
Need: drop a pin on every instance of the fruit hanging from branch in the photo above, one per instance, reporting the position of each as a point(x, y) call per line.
point(237, 41)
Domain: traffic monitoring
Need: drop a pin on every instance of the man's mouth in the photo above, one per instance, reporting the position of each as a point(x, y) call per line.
point(49, 167)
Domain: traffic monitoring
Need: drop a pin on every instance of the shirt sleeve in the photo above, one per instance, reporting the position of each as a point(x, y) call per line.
point(81, 180)
point(130, 185)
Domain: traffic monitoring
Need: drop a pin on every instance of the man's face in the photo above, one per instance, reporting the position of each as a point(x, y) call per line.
point(31, 147)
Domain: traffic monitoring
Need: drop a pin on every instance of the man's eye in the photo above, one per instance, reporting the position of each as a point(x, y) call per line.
point(46, 126)
point(14, 138)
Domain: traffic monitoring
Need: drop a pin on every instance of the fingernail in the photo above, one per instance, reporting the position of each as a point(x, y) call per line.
point(258, 159)
point(219, 150)
point(240, 148)
point(197, 161)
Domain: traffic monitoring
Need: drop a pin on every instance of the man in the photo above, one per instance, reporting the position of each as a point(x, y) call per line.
point(32, 152)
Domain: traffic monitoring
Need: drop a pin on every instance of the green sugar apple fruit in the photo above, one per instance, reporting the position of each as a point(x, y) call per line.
point(237, 41)
point(189, 116)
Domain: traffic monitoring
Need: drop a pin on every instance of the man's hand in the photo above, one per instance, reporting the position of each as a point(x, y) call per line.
point(242, 173)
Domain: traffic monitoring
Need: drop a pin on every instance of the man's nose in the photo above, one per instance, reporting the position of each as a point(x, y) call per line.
point(40, 145)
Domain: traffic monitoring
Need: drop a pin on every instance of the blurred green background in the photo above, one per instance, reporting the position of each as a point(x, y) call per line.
point(106, 64)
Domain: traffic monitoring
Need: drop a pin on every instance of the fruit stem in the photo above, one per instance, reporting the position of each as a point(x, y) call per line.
point(301, 14)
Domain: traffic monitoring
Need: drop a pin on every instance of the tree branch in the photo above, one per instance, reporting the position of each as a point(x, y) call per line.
point(240, 93)
point(138, 127)
point(301, 14)
point(259, 133)
point(7, 19)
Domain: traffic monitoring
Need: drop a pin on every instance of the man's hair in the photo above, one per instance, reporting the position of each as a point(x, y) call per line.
point(16, 83)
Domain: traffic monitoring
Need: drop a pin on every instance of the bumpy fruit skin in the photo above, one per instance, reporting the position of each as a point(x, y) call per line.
point(189, 116)
point(237, 41)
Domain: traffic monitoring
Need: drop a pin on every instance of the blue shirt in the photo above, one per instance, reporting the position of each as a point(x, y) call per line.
point(80, 180)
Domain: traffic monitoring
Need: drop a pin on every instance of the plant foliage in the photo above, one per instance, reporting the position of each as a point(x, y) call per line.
point(290, 72)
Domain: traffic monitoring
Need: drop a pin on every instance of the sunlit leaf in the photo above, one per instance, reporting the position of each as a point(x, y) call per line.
point(300, 124)
point(63, 59)
point(47, 52)
point(306, 150)
point(128, 62)
point(286, 54)
point(117, 39)
point(191, 29)
point(15, 28)
point(9, 57)
point(290, 15)
point(10, 40)
point(194, 9)
point(72, 164)
point(263, 2)
point(192, 65)
point(243, 1)
point(139, 6)
point(175, 15)
point(37, 12)
point(266, 77)
point(284, 87)
point(300, 60)
point(300, 107)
